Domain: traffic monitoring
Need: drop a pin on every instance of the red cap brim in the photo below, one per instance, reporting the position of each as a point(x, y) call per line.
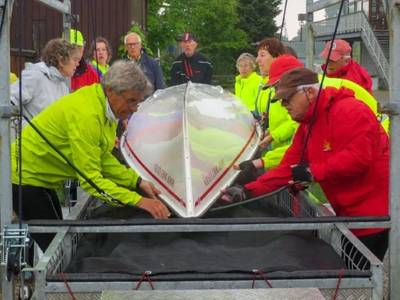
point(335, 56)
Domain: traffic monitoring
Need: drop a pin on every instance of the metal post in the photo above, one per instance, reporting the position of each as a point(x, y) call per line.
point(5, 161)
point(309, 36)
point(67, 19)
point(394, 104)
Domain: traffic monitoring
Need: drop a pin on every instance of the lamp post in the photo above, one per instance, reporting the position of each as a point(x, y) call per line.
point(302, 18)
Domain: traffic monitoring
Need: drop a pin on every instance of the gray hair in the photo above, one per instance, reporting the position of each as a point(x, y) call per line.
point(124, 76)
point(56, 51)
point(132, 34)
point(249, 57)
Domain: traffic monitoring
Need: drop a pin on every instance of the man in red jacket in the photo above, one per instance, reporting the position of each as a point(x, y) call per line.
point(341, 65)
point(347, 153)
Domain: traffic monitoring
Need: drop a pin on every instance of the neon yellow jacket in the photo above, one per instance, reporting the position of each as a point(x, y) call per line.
point(247, 88)
point(361, 94)
point(281, 127)
point(77, 125)
point(98, 67)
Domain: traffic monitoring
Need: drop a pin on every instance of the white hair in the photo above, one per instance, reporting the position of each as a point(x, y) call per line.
point(132, 34)
point(249, 57)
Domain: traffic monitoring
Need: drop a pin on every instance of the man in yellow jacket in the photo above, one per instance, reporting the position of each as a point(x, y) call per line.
point(82, 127)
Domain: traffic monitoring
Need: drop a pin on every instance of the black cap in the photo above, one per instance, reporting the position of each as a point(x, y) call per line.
point(186, 36)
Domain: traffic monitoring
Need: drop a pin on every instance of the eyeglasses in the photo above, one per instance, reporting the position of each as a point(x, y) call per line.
point(131, 101)
point(243, 66)
point(286, 101)
point(130, 45)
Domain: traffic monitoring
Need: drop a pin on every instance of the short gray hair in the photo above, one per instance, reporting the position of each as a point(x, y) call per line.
point(132, 34)
point(124, 76)
point(249, 57)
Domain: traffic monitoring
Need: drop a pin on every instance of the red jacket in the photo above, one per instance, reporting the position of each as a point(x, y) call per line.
point(85, 75)
point(354, 72)
point(348, 154)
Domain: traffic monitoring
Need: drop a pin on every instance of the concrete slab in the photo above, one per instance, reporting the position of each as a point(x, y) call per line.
point(239, 294)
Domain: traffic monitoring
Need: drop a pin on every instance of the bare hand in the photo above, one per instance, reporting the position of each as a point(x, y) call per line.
point(149, 189)
point(265, 141)
point(155, 207)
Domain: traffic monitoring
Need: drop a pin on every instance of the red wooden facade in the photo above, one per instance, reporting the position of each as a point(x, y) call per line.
point(107, 18)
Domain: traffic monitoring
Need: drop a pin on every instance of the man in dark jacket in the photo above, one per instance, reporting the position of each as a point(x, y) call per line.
point(190, 65)
point(347, 153)
point(152, 70)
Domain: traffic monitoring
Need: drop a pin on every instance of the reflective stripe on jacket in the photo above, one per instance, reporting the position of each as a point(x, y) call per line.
point(359, 93)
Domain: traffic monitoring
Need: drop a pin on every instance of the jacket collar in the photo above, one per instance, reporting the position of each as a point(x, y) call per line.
point(327, 97)
point(110, 116)
point(342, 71)
point(50, 72)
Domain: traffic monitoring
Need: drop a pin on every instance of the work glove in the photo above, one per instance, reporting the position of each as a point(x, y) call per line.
point(248, 172)
point(236, 193)
point(301, 174)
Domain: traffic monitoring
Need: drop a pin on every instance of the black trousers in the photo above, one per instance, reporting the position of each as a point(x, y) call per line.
point(377, 243)
point(38, 203)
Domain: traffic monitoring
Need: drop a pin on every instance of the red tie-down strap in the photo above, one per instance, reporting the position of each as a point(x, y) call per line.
point(62, 275)
point(145, 277)
point(341, 273)
point(259, 273)
point(294, 190)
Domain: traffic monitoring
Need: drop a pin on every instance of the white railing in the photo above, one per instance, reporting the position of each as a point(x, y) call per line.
point(348, 24)
point(353, 23)
point(374, 48)
point(313, 6)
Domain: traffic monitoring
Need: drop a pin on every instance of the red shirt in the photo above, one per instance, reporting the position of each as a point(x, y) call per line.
point(354, 72)
point(88, 77)
point(348, 154)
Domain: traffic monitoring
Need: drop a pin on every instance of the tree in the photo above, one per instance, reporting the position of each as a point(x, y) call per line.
point(257, 18)
point(214, 22)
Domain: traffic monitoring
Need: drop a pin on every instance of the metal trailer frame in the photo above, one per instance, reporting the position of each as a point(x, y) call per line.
point(7, 111)
point(368, 284)
point(63, 241)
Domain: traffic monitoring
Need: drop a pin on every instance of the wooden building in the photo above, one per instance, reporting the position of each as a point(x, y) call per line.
point(39, 23)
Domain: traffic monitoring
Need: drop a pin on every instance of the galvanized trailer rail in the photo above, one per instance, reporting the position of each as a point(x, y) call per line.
point(64, 239)
point(7, 111)
point(368, 282)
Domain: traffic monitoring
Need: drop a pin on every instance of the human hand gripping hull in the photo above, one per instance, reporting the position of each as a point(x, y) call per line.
point(150, 203)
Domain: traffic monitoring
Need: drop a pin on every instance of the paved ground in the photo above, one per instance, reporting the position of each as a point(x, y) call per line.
point(250, 294)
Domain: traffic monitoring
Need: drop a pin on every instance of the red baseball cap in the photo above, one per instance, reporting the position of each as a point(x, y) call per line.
point(281, 65)
point(340, 48)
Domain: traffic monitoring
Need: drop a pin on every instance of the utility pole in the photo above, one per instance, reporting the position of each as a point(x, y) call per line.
point(309, 36)
point(394, 108)
point(5, 114)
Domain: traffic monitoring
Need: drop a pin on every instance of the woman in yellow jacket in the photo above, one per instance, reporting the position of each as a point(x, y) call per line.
point(248, 81)
point(280, 126)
